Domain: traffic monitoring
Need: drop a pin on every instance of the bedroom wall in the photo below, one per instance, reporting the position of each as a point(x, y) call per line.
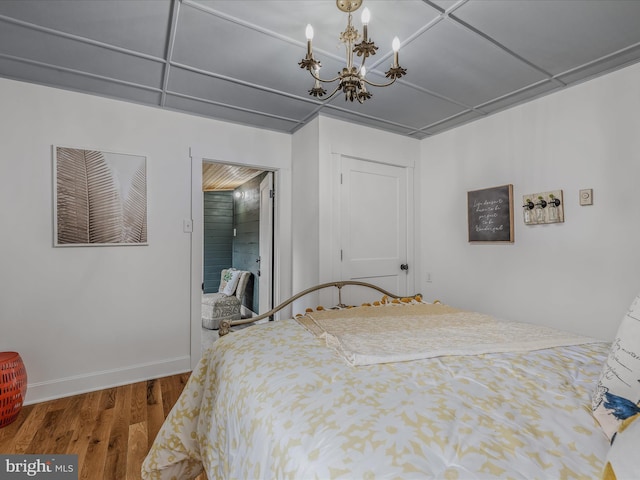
point(84, 318)
point(305, 239)
point(580, 275)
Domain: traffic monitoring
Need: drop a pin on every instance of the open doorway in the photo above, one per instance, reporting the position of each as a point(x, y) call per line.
point(238, 230)
point(281, 251)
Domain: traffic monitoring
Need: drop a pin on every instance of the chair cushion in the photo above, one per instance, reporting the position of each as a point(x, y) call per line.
point(217, 307)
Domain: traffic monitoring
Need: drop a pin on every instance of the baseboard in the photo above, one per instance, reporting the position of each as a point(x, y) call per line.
point(67, 386)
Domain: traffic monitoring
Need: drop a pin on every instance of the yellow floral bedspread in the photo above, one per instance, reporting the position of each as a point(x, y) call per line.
point(367, 335)
point(273, 401)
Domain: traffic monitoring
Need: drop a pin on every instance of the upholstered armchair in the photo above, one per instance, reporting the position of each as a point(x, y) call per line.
point(227, 302)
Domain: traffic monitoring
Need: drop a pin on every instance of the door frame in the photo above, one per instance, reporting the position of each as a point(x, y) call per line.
point(281, 243)
point(266, 263)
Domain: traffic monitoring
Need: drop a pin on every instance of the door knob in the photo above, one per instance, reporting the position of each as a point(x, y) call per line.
point(404, 266)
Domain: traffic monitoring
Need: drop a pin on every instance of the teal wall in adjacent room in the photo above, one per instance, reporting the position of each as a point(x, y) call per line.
point(218, 237)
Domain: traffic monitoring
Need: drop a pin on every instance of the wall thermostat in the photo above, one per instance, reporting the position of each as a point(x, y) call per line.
point(586, 196)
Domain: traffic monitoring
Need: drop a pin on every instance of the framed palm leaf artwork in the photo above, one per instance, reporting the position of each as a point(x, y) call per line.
point(100, 198)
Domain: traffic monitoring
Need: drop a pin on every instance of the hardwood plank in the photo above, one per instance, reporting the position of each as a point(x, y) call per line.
point(139, 402)
point(9, 433)
point(138, 447)
point(116, 462)
point(29, 429)
point(42, 438)
point(155, 411)
point(110, 430)
point(69, 422)
point(171, 389)
point(96, 453)
point(87, 415)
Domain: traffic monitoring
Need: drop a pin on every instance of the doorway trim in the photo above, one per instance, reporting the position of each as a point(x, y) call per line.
point(281, 242)
point(265, 269)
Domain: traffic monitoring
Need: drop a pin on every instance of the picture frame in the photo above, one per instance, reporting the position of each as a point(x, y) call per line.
point(490, 215)
point(99, 198)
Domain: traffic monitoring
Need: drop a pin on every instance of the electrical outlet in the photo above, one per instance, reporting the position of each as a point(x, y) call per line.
point(586, 196)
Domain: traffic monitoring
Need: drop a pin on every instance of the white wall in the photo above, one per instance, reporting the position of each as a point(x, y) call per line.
point(580, 275)
point(305, 208)
point(88, 317)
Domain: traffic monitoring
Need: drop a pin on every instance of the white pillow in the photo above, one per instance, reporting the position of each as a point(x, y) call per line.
point(622, 460)
point(232, 283)
point(618, 392)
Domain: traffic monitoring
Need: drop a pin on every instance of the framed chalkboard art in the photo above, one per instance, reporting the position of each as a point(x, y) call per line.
point(490, 215)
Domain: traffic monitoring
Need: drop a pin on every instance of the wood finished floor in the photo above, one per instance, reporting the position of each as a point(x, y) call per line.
point(110, 430)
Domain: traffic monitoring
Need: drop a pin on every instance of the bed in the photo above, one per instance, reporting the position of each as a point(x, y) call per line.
point(399, 388)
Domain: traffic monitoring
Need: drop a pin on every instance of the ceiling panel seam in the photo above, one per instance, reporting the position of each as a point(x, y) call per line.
point(603, 59)
point(173, 26)
point(408, 40)
point(80, 39)
point(370, 117)
point(80, 73)
point(243, 83)
point(243, 23)
point(518, 91)
point(499, 45)
point(233, 107)
point(452, 117)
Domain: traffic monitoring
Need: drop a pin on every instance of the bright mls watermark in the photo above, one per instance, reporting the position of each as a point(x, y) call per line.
point(49, 467)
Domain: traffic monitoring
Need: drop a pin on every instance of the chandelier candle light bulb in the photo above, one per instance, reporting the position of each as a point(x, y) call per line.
point(366, 16)
point(395, 45)
point(309, 34)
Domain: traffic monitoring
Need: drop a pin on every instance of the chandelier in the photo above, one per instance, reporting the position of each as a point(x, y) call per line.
point(351, 79)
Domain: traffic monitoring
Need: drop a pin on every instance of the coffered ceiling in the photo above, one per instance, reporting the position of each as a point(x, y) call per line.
point(237, 60)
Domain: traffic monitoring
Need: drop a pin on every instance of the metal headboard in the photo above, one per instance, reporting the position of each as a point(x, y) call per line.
point(225, 325)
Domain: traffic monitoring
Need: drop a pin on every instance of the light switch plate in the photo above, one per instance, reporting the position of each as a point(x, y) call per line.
point(586, 196)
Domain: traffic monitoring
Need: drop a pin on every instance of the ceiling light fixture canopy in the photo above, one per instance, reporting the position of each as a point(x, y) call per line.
point(351, 79)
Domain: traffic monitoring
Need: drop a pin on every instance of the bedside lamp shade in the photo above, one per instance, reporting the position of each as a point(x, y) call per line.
point(13, 386)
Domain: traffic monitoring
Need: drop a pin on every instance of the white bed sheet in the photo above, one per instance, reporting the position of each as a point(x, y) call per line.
point(273, 401)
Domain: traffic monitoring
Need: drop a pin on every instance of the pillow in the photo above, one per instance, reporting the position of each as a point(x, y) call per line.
point(227, 275)
point(622, 461)
point(618, 392)
point(231, 277)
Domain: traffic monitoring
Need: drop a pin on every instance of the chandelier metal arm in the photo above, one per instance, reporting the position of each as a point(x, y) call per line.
point(323, 80)
point(374, 84)
point(335, 90)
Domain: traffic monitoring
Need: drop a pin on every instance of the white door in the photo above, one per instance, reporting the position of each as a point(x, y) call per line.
point(373, 211)
point(266, 245)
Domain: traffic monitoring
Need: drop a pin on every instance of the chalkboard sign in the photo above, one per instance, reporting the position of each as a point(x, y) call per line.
point(490, 214)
